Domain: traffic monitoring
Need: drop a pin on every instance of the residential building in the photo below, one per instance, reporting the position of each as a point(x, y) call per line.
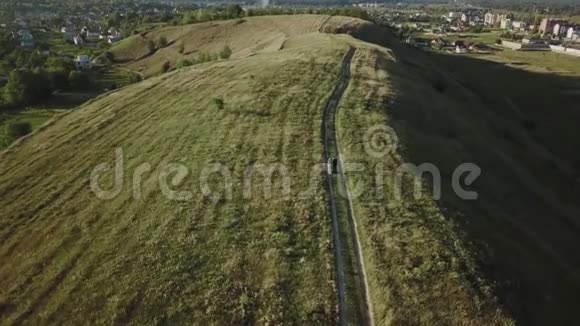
point(455, 15)
point(78, 40)
point(26, 39)
point(519, 26)
point(547, 25)
point(113, 31)
point(460, 49)
point(113, 38)
point(573, 33)
point(465, 18)
point(490, 19)
point(83, 62)
point(68, 37)
point(93, 37)
point(560, 30)
point(506, 23)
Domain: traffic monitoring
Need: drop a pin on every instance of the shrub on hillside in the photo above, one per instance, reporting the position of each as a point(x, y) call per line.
point(162, 42)
point(151, 46)
point(165, 67)
point(184, 63)
point(226, 52)
point(218, 103)
point(134, 78)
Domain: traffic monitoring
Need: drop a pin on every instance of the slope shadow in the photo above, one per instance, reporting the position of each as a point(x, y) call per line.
point(519, 127)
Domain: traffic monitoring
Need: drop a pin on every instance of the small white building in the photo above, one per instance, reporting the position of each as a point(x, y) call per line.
point(573, 33)
point(560, 30)
point(460, 49)
point(113, 39)
point(506, 23)
point(490, 19)
point(519, 26)
point(113, 31)
point(78, 40)
point(26, 39)
point(83, 62)
point(93, 37)
point(455, 15)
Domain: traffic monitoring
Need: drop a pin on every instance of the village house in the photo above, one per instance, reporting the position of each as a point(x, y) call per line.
point(460, 47)
point(68, 37)
point(560, 29)
point(547, 25)
point(573, 33)
point(83, 62)
point(26, 39)
point(519, 26)
point(506, 23)
point(113, 39)
point(439, 42)
point(78, 40)
point(455, 15)
point(490, 19)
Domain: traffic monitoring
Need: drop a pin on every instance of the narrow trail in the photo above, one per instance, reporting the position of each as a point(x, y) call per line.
point(332, 150)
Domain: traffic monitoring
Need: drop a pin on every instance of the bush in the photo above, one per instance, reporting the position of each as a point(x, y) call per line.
point(151, 46)
point(165, 67)
point(19, 129)
point(162, 42)
point(109, 55)
point(226, 52)
point(218, 103)
point(184, 63)
point(135, 78)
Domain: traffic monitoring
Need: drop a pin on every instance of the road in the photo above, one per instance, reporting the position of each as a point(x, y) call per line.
point(332, 150)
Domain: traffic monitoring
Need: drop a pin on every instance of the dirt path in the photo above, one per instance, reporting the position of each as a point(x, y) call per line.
point(331, 150)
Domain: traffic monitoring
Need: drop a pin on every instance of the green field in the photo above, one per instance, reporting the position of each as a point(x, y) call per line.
point(56, 43)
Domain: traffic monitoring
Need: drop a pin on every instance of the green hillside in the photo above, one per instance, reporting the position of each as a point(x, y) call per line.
point(185, 248)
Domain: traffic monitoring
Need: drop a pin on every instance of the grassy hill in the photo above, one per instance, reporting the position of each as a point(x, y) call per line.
point(230, 257)
point(244, 36)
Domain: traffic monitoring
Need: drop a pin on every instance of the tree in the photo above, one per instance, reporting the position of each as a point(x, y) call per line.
point(19, 129)
point(233, 11)
point(79, 80)
point(17, 91)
